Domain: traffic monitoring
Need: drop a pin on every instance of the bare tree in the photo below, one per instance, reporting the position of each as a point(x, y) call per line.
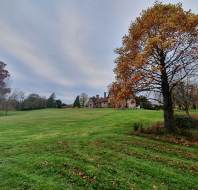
point(83, 99)
point(4, 90)
point(16, 99)
point(185, 95)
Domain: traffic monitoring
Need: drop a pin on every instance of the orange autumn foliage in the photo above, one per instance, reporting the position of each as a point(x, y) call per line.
point(159, 51)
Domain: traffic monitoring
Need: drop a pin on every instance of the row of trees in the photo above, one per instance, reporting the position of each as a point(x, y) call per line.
point(17, 100)
point(158, 54)
point(185, 96)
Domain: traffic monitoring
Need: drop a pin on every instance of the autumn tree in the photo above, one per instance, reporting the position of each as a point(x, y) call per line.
point(159, 51)
point(119, 93)
point(114, 99)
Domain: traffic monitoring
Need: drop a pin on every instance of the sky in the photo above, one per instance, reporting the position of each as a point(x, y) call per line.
point(66, 46)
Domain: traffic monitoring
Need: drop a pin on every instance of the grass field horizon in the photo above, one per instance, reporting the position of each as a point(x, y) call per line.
point(74, 149)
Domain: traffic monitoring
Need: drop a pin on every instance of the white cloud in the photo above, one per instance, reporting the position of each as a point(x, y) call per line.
point(66, 46)
point(73, 32)
point(27, 53)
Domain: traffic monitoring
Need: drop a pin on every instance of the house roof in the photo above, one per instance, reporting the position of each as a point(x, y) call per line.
point(98, 100)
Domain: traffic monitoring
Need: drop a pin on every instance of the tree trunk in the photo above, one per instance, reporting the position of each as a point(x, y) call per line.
point(126, 106)
point(167, 99)
point(168, 112)
point(187, 109)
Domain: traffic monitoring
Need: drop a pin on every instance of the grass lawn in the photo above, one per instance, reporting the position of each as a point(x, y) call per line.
point(90, 149)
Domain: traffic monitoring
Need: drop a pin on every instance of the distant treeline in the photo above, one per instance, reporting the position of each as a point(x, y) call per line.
point(18, 101)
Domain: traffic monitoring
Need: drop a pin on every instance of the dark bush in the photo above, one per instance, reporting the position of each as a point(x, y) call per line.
point(137, 126)
point(157, 107)
point(185, 122)
point(185, 133)
point(195, 121)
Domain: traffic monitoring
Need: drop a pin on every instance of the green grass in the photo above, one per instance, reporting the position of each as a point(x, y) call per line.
point(90, 149)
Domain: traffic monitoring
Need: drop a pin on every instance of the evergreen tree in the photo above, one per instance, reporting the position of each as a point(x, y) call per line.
point(143, 102)
point(77, 102)
point(59, 104)
point(51, 101)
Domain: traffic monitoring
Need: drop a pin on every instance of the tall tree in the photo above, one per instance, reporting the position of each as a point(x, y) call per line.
point(59, 104)
point(185, 96)
point(76, 103)
point(83, 99)
point(51, 101)
point(15, 100)
point(119, 93)
point(4, 75)
point(194, 95)
point(34, 101)
point(143, 102)
point(160, 50)
point(4, 89)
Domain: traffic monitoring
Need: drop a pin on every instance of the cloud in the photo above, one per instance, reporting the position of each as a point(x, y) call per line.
point(52, 48)
point(65, 46)
point(28, 54)
point(74, 37)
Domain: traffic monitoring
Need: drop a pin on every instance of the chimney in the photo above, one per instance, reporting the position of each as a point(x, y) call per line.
point(105, 94)
point(97, 96)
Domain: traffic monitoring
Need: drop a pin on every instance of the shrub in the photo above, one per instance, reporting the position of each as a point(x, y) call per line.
point(157, 128)
point(183, 122)
point(185, 133)
point(137, 126)
point(195, 121)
